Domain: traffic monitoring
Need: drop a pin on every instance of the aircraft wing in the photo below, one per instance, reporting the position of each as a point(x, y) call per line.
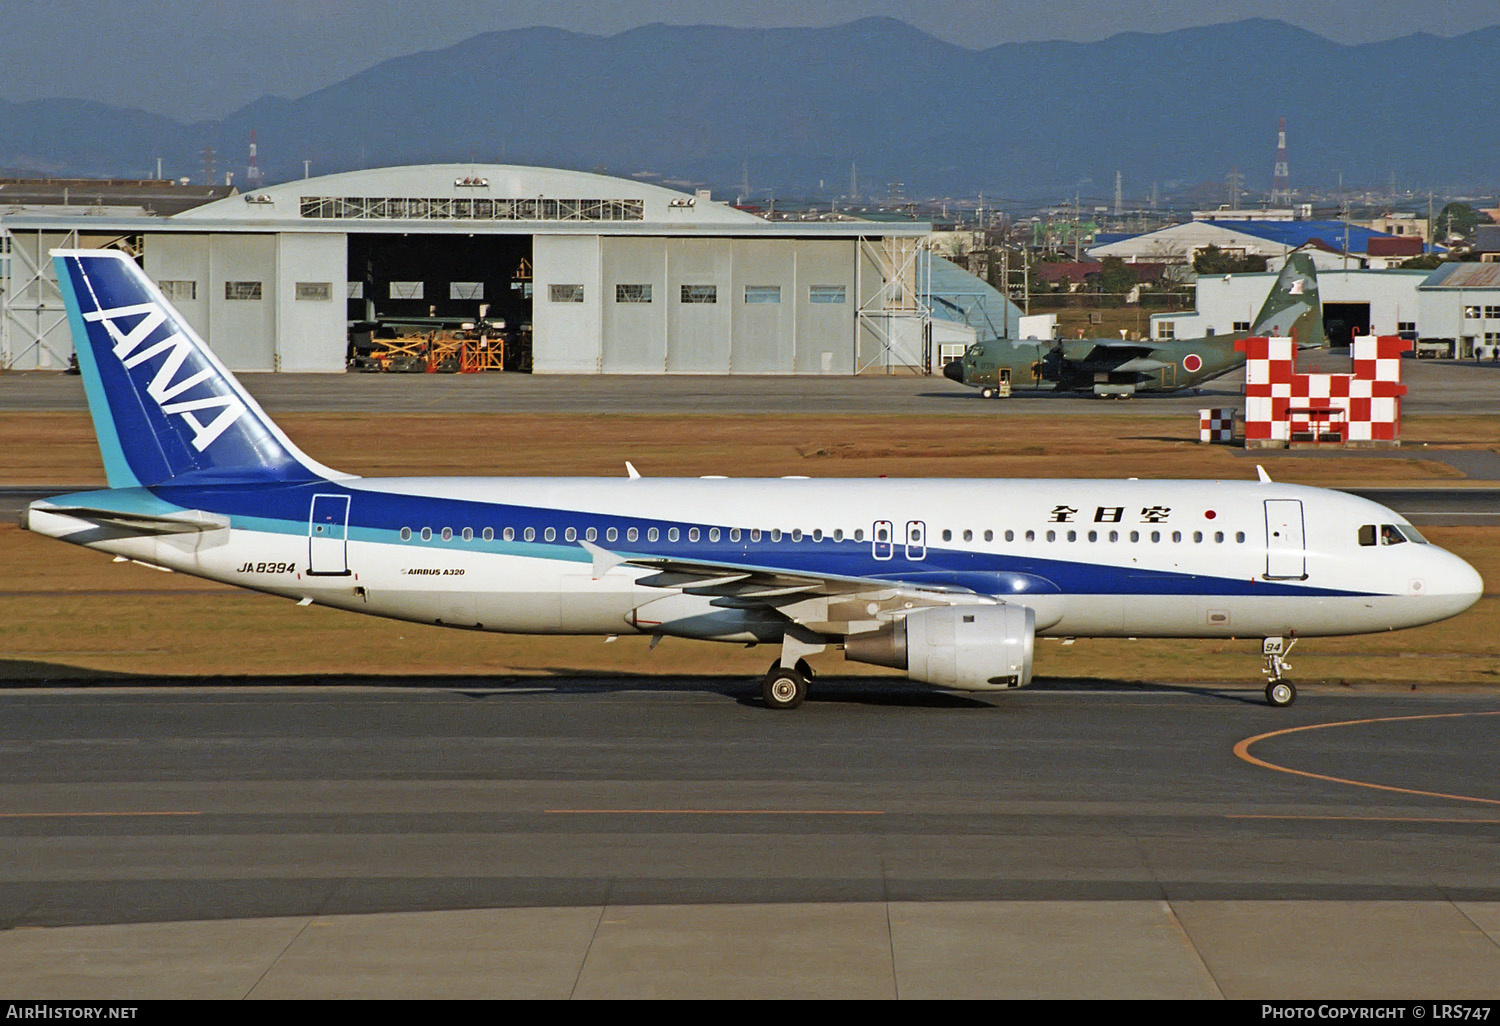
point(1098, 350)
point(825, 603)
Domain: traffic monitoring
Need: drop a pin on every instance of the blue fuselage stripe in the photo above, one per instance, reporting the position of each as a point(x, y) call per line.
point(378, 516)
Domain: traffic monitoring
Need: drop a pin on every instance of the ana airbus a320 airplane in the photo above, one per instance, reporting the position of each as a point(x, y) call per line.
point(949, 580)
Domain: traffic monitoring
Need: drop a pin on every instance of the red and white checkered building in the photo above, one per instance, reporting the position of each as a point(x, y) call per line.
point(1362, 408)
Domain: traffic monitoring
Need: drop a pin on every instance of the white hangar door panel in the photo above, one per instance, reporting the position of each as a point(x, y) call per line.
point(763, 300)
point(312, 332)
point(826, 306)
point(567, 301)
point(635, 306)
point(698, 305)
point(242, 290)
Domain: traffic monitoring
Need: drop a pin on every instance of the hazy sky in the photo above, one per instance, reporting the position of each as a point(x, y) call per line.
point(203, 58)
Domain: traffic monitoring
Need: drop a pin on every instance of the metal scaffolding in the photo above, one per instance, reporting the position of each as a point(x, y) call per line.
point(893, 313)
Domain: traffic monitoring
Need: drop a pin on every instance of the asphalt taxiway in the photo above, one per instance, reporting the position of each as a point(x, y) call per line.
point(602, 837)
point(1434, 387)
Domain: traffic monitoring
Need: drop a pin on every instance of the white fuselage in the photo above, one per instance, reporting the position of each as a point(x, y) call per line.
point(1093, 558)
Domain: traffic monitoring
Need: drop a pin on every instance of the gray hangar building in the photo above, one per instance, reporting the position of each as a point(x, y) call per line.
point(614, 275)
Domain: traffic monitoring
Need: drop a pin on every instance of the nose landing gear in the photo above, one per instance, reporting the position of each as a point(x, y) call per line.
point(1280, 692)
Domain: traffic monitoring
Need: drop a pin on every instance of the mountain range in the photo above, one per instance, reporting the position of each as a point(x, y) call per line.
point(795, 111)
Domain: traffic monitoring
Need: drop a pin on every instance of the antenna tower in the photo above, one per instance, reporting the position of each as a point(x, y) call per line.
point(1281, 178)
point(252, 172)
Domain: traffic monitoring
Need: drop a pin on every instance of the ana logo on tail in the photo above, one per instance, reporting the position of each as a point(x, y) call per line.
point(165, 386)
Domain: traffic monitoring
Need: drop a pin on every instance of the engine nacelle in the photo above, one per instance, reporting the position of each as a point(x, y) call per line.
point(972, 648)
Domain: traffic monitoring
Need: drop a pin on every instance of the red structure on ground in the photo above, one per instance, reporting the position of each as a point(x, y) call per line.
point(1362, 408)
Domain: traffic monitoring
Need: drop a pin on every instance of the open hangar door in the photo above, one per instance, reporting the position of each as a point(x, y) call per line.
point(1342, 321)
point(403, 286)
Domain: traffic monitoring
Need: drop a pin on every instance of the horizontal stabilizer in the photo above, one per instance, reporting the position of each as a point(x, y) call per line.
point(187, 522)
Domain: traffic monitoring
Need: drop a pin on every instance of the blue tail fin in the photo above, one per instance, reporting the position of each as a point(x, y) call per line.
point(163, 406)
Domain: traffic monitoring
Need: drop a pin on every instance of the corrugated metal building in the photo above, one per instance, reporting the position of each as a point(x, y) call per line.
point(1457, 302)
point(613, 275)
point(1179, 243)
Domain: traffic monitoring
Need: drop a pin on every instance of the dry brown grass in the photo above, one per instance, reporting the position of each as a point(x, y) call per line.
point(59, 448)
point(67, 612)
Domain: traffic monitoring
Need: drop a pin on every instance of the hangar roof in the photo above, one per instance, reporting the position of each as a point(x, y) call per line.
point(471, 192)
point(1288, 234)
point(957, 295)
point(466, 199)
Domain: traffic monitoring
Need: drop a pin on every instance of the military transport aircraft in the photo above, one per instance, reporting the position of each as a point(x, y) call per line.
point(950, 581)
point(1115, 367)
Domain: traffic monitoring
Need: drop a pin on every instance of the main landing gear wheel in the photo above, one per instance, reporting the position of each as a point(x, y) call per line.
point(1281, 693)
point(783, 688)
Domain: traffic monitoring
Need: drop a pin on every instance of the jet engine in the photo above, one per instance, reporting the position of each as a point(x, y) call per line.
point(972, 648)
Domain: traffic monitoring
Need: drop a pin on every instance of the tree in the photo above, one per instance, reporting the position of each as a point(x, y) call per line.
point(1116, 277)
point(1213, 260)
point(1458, 219)
point(1425, 262)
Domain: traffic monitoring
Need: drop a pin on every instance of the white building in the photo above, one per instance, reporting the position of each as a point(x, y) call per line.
point(613, 275)
point(1463, 304)
point(1355, 301)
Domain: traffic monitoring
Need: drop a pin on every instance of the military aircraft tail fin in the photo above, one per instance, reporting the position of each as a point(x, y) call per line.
point(1293, 307)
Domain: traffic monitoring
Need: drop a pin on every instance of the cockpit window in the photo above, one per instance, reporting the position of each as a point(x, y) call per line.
point(1389, 534)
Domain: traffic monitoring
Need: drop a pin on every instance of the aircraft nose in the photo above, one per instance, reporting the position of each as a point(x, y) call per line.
point(954, 370)
point(1456, 584)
